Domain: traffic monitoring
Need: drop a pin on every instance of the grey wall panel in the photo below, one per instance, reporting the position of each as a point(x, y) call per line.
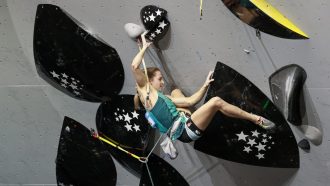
point(194, 48)
point(189, 165)
point(82, 111)
point(24, 24)
point(201, 42)
point(30, 129)
point(13, 67)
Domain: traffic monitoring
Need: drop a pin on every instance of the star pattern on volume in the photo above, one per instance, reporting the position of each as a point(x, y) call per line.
point(129, 118)
point(255, 144)
point(158, 31)
point(152, 16)
point(62, 184)
point(69, 83)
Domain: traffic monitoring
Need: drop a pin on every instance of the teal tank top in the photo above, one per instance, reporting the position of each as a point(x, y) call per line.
point(164, 113)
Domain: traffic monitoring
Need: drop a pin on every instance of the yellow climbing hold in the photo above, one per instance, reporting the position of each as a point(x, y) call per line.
point(277, 16)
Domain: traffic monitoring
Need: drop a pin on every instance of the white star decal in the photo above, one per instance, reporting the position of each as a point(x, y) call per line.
point(76, 92)
point(247, 149)
point(120, 117)
point(127, 118)
point(261, 147)
point(135, 114)
point(64, 75)
point(74, 87)
point(269, 137)
point(241, 136)
point(252, 142)
point(117, 119)
point(158, 12)
point(64, 81)
point(264, 135)
point(260, 156)
point(255, 133)
point(55, 75)
point(162, 24)
point(158, 31)
point(264, 140)
point(64, 85)
point(152, 17)
point(116, 113)
point(136, 127)
point(128, 127)
point(153, 35)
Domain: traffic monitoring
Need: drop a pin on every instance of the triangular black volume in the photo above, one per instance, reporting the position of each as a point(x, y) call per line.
point(73, 60)
point(82, 159)
point(161, 173)
point(117, 120)
point(242, 141)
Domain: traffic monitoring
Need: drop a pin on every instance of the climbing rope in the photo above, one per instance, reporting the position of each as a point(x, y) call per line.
point(95, 135)
point(140, 158)
point(146, 101)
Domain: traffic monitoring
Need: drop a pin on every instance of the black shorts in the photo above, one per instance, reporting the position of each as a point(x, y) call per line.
point(191, 132)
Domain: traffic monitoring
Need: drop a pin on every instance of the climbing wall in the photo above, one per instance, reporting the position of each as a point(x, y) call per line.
point(32, 110)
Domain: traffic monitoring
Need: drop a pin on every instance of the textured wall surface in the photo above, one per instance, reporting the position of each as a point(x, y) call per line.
point(31, 111)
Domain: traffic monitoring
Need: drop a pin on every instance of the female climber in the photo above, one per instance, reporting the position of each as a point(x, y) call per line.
point(171, 110)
